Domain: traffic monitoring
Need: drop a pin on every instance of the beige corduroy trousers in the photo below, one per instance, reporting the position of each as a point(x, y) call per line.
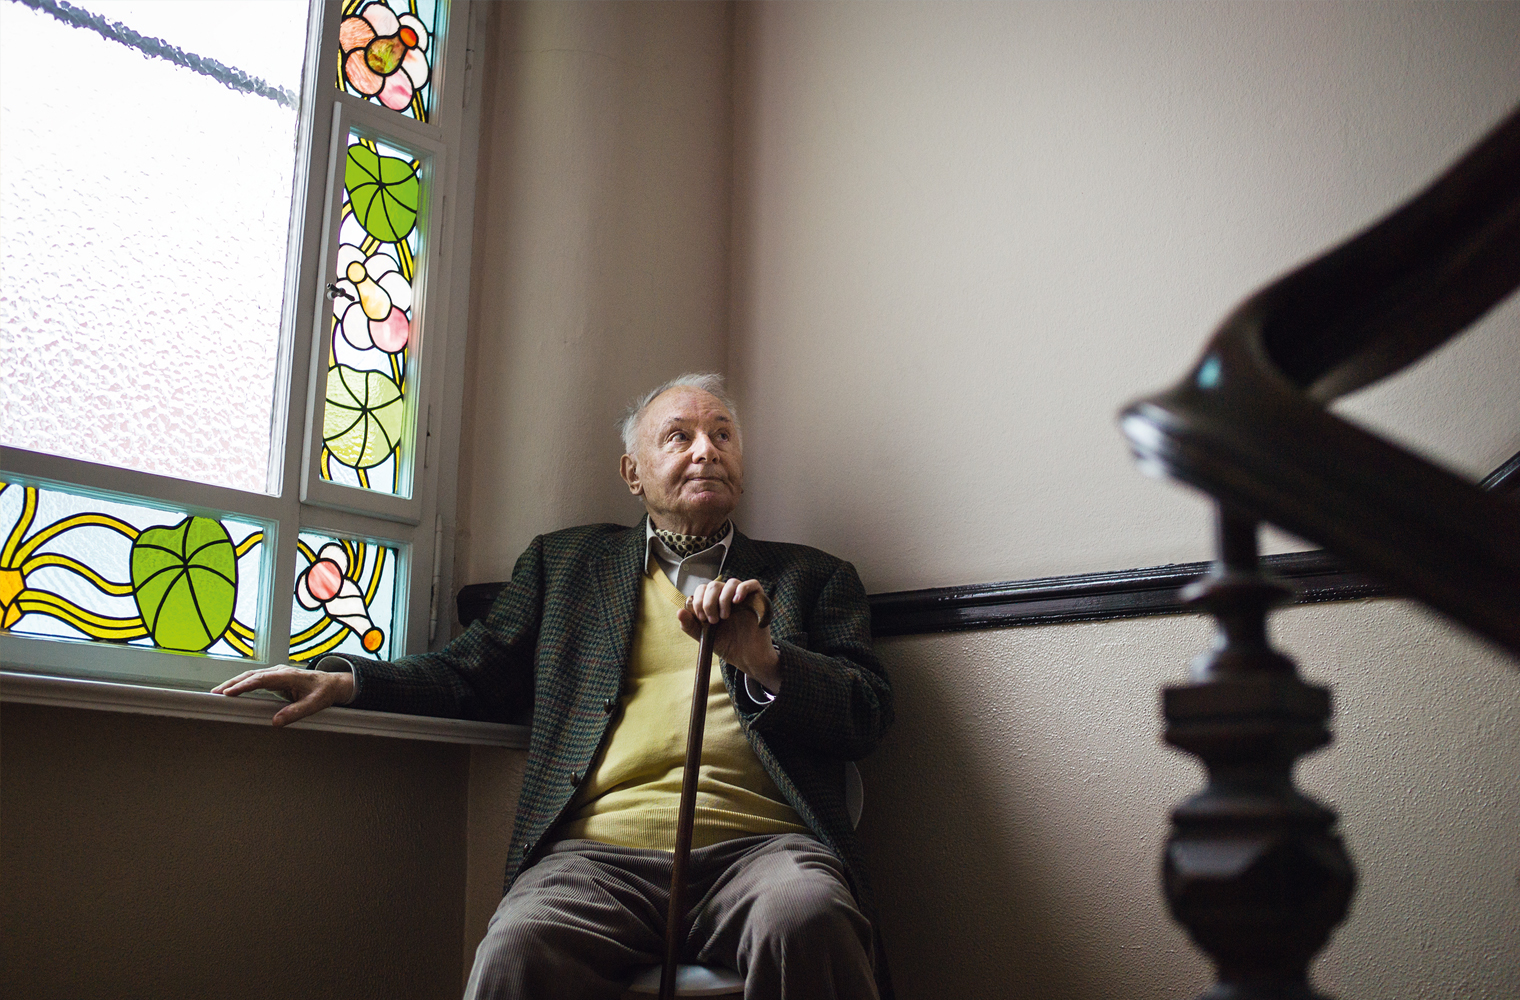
point(587, 916)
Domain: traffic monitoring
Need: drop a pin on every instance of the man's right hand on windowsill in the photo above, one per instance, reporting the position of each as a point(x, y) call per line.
point(309, 691)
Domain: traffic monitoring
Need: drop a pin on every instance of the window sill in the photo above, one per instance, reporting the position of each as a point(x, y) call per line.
point(68, 692)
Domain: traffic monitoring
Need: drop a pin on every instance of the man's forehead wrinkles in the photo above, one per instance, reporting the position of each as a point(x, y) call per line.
point(682, 418)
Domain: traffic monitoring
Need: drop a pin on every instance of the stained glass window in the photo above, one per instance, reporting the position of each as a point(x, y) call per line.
point(365, 416)
point(387, 51)
point(77, 567)
point(157, 263)
point(345, 599)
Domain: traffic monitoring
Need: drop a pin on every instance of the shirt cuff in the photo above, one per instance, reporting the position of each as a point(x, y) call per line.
point(334, 664)
point(759, 693)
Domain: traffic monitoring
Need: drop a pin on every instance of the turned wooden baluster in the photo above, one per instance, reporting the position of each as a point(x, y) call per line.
point(1252, 869)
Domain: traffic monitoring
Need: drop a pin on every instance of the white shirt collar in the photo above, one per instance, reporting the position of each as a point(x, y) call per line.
point(692, 572)
point(686, 575)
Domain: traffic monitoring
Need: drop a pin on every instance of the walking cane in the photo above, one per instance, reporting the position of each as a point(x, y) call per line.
point(675, 918)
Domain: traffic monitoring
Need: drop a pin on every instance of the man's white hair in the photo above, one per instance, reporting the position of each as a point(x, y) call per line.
point(709, 382)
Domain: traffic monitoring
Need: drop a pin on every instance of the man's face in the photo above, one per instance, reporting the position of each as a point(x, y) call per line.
point(689, 466)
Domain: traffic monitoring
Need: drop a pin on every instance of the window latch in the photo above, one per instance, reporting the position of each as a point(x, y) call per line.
point(333, 291)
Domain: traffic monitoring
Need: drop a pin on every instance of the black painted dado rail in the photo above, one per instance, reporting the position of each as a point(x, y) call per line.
point(1253, 868)
point(1127, 593)
point(1314, 577)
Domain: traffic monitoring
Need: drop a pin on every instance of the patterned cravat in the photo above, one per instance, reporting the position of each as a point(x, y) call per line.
point(685, 545)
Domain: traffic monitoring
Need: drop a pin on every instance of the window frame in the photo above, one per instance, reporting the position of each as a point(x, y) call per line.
point(420, 531)
point(349, 113)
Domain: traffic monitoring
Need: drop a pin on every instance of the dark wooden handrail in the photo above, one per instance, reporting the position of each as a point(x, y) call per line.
point(1248, 424)
point(1253, 868)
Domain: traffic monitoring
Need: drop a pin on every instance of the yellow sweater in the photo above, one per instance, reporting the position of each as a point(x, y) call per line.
point(632, 795)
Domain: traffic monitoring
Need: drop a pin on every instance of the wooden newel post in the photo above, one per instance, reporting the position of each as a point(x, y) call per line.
point(1252, 868)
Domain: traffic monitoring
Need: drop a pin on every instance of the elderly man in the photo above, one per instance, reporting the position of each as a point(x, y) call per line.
point(596, 629)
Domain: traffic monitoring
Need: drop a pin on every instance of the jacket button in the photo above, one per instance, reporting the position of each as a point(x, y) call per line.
point(575, 777)
point(609, 705)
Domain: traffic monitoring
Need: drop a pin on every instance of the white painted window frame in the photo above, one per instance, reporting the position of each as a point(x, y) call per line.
point(418, 526)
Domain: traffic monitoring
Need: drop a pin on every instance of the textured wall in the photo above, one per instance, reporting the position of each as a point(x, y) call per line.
point(1015, 815)
point(164, 858)
point(601, 261)
point(966, 234)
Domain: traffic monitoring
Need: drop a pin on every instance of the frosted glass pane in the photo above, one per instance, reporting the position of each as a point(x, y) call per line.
point(144, 215)
point(366, 417)
point(345, 600)
point(80, 567)
point(388, 53)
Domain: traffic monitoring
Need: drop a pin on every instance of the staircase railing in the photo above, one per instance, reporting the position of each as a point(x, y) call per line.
point(1253, 868)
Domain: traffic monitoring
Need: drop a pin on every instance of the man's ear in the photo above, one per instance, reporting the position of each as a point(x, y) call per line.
point(629, 470)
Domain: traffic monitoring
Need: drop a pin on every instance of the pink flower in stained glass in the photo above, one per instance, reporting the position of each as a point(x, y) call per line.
point(324, 585)
point(384, 56)
point(321, 581)
point(375, 313)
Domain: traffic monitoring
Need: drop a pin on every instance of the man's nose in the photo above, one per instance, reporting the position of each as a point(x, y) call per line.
point(704, 449)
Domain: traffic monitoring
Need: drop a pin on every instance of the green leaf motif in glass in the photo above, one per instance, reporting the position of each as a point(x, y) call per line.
point(363, 418)
point(184, 579)
point(384, 191)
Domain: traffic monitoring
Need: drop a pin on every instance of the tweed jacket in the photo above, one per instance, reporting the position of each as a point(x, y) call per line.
point(559, 636)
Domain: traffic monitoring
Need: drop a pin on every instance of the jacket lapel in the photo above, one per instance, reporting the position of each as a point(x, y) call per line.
point(745, 563)
point(616, 577)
